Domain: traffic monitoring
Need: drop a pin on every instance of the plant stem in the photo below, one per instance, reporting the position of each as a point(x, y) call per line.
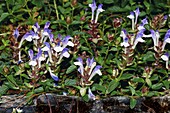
point(56, 11)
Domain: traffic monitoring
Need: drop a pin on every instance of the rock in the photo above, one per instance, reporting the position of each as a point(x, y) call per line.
point(52, 103)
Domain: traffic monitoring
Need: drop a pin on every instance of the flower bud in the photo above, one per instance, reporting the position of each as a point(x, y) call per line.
point(74, 3)
point(68, 20)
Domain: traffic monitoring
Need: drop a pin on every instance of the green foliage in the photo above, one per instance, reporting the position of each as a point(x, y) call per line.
point(131, 71)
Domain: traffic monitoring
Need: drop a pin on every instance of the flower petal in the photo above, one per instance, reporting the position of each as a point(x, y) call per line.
point(91, 95)
point(54, 76)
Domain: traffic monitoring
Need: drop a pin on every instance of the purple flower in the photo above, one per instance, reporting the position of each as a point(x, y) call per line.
point(32, 58)
point(65, 53)
point(131, 16)
point(95, 71)
point(31, 54)
point(47, 46)
point(80, 64)
point(99, 10)
point(125, 42)
point(36, 27)
point(166, 39)
point(65, 42)
point(93, 8)
point(91, 95)
point(165, 57)
point(28, 36)
point(47, 33)
point(137, 12)
point(144, 22)
point(19, 59)
point(89, 62)
point(54, 77)
point(138, 38)
point(47, 24)
point(40, 57)
point(123, 34)
point(48, 49)
point(91, 69)
point(153, 37)
point(16, 33)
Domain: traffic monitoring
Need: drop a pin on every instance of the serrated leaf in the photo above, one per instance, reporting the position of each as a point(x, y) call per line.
point(112, 85)
point(133, 103)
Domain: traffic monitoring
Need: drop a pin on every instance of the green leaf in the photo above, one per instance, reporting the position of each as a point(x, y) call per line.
point(137, 79)
point(12, 79)
point(132, 90)
point(148, 81)
point(83, 91)
point(39, 90)
point(84, 48)
point(166, 84)
point(71, 69)
point(133, 103)
point(113, 49)
point(149, 56)
point(38, 3)
point(3, 16)
point(70, 82)
point(85, 98)
point(146, 4)
point(157, 86)
point(126, 76)
point(154, 77)
point(163, 71)
point(100, 88)
point(112, 85)
point(117, 9)
point(25, 76)
point(3, 89)
point(75, 22)
point(108, 1)
point(2, 47)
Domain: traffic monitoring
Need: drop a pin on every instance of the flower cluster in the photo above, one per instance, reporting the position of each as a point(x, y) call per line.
point(89, 71)
point(45, 48)
point(93, 8)
point(130, 41)
point(86, 74)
